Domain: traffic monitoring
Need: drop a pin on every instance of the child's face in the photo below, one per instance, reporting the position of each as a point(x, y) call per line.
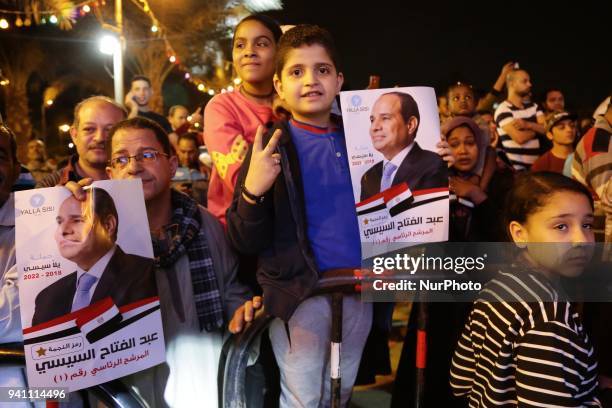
point(461, 101)
point(253, 52)
point(464, 148)
point(563, 133)
point(308, 84)
point(557, 235)
point(555, 101)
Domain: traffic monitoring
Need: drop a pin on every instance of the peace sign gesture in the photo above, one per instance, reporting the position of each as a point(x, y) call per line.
point(264, 165)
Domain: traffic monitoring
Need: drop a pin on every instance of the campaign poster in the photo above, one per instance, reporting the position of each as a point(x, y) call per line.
point(400, 183)
point(89, 305)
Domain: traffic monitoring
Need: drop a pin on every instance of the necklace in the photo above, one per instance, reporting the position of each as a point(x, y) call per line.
point(252, 95)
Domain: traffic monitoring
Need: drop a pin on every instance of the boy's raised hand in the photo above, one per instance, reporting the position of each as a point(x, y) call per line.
point(265, 164)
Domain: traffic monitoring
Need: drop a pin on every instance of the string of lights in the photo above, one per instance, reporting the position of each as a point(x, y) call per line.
point(64, 17)
point(26, 18)
point(161, 32)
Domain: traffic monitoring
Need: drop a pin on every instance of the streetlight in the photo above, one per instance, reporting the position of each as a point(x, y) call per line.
point(43, 116)
point(111, 45)
point(114, 46)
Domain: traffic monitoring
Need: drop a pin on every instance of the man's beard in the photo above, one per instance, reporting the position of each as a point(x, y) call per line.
point(524, 94)
point(96, 164)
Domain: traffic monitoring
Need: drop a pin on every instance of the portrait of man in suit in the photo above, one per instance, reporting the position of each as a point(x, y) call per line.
point(86, 234)
point(394, 122)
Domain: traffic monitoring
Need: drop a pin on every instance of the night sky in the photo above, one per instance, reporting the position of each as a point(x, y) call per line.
point(408, 43)
point(435, 43)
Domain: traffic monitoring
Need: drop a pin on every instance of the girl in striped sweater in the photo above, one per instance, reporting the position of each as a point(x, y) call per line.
point(523, 345)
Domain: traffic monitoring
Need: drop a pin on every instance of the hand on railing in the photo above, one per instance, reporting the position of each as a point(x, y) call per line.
point(245, 314)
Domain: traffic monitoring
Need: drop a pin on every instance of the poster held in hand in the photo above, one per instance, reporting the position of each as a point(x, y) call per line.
point(88, 298)
point(400, 183)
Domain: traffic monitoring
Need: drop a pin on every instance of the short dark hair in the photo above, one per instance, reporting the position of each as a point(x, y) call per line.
point(6, 132)
point(141, 123)
point(103, 206)
point(140, 78)
point(531, 191)
point(264, 20)
point(305, 34)
point(408, 107)
point(549, 90)
point(460, 84)
point(192, 136)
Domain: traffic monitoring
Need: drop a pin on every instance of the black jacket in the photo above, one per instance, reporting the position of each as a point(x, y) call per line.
point(126, 279)
point(275, 230)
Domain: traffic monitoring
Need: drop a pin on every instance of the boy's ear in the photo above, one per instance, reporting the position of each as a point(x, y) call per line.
point(518, 233)
point(549, 135)
point(340, 82)
point(278, 85)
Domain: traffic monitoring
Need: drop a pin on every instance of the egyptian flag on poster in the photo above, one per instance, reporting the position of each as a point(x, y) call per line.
point(393, 200)
point(399, 198)
point(96, 322)
point(372, 205)
point(99, 320)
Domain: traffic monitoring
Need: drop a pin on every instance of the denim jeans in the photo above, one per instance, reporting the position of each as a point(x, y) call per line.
point(303, 359)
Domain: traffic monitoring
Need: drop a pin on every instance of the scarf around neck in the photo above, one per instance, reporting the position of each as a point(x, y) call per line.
point(186, 235)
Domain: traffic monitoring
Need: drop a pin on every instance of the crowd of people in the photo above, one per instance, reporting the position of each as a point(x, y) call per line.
point(257, 201)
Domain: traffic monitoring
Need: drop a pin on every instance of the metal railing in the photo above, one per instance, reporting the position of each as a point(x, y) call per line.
point(232, 371)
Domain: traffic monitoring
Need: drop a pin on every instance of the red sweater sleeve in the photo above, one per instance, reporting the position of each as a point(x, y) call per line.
point(224, 138)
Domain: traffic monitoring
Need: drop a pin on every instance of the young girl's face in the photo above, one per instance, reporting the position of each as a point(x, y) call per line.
point(253, 52)
point(557, 235)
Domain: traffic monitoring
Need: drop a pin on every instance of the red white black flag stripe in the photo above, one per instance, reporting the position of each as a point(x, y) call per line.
point(95, 321)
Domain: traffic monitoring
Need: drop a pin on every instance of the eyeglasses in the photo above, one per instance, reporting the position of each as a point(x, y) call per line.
point(149, 156)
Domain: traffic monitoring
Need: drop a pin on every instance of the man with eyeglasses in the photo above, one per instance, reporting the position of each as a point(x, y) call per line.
point(195, 269)
point(93, 118)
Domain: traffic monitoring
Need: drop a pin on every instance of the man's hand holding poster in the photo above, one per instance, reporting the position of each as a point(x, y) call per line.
point(400, 183)
point(88, 297)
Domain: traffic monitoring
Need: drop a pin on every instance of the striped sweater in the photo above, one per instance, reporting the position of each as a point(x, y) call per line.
point(62, 175)
point(592, 166)
point(530, 352)
point(523, 155)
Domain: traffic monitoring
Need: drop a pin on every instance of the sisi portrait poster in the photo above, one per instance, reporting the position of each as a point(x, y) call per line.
point(88, 298)
point(400, 183)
